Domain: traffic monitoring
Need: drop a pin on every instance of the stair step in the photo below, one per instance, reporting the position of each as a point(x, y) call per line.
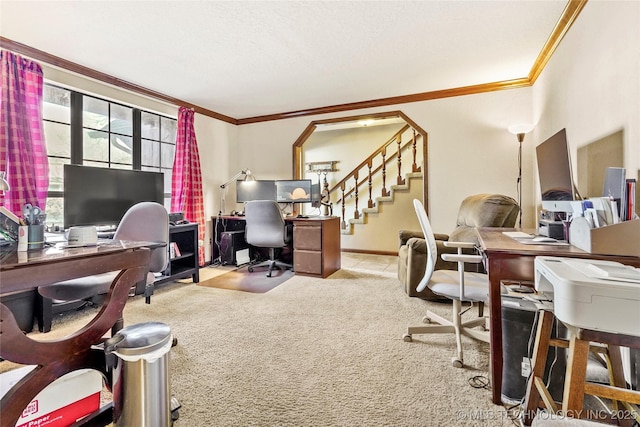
point(380, 199)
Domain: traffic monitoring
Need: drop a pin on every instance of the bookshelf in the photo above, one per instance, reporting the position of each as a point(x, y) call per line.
point(183, 254)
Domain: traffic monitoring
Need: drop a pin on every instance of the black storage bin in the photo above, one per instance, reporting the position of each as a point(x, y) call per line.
point(22, 306)
point(518, 338)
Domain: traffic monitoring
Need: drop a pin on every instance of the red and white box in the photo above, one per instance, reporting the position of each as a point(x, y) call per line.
point(61, 403)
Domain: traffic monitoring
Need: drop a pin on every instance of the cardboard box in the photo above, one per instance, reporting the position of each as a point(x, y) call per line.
point(63, 402)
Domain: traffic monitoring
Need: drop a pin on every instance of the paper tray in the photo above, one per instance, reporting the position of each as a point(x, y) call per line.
point(617, 239)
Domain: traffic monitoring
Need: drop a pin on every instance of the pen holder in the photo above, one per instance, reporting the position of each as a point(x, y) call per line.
point(36, 237)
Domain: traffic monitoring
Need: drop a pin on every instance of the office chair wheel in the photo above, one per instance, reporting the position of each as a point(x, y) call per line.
point(426, 319)
point(407, 338)
point(250, 269)
point(456, 363)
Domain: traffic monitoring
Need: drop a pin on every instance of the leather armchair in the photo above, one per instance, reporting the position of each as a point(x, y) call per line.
point(480, 210)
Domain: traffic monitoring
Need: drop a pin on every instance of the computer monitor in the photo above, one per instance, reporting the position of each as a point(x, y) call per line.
point(293, 191)
point(554, 171)
point(101, 196)
point(247, 191)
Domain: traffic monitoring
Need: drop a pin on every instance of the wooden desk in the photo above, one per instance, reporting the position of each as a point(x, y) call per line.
point(507, 259)
point(315, 246)
point(21, 271)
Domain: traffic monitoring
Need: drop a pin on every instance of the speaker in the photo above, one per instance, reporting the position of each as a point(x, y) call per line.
point(230, 243)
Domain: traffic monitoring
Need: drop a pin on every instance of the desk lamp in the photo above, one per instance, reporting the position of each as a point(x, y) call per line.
point(520, 131)
point(248, 176)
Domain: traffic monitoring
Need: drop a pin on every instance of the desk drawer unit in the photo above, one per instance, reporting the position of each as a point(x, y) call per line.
point(316, 247)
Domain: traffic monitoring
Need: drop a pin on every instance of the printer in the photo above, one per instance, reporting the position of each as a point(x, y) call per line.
point(591, 294)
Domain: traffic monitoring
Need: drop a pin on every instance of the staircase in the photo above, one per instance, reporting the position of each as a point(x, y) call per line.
point(390, 198)
point(384, 183)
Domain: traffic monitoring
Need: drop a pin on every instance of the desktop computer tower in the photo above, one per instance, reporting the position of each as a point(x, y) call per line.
point(231, 242)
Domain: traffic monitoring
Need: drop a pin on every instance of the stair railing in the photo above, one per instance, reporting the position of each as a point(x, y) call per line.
point(381, 168)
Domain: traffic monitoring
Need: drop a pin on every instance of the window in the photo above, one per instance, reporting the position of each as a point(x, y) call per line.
point(158, 147)
point(84, 129)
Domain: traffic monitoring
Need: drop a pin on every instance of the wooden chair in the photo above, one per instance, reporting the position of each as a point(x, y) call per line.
point(576, 386)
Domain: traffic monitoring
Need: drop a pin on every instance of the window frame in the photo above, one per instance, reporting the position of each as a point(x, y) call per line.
point(76, 137)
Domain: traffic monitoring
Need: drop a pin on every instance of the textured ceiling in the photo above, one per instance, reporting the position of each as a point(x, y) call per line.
point(251, 58)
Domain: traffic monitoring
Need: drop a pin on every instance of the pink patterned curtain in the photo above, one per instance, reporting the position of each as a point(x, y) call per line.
point(186, 182)
point(23, 151)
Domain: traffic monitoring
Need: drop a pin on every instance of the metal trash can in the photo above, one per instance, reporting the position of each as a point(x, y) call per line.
point(141, 386)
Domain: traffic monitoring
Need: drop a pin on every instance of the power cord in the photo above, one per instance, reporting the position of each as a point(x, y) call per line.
point(480, 381)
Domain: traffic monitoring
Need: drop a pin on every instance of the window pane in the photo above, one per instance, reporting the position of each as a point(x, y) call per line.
point(58, 138)
point(118, 166)
point(54, 210)
point(56, 105)
point(95, 145)
point(121, 151)
point(96, 164)
point(150, 153)
point(150, 126)
point(169, 128)
point(166, 155)
point(121, 119)
point(95, 113)
point(56, 173)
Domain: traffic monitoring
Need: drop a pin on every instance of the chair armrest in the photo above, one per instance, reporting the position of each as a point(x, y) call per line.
point(441, 236)
point(463, 245)
point(417, 244)
point(405, 235)
point(475, 259)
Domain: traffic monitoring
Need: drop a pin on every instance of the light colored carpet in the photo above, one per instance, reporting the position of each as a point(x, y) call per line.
point(313, 352)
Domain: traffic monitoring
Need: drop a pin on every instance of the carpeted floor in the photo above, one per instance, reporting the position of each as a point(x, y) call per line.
point(312, 352)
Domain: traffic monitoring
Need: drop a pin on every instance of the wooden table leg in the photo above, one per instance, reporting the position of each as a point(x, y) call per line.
point(540, 351)
point(495, 329)
point(573, 397)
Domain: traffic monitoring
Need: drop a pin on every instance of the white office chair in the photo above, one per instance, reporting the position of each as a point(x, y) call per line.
point(145, 221)
point(459, 286)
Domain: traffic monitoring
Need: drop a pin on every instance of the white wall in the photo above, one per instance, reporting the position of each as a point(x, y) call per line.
point(591, 86)
point(470, 149)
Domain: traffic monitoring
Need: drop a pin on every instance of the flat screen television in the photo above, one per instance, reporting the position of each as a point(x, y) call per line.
point(101, 196)
point(554, 171)
point(247, 191)
point(293, 191)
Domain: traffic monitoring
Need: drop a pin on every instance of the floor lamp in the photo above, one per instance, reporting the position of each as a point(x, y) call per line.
point(520, 131)
point(247, 177)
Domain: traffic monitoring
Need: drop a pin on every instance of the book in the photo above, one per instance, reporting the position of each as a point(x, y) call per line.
point(614, 187)
point(9, 224)
point(631, 198)
point(175, 249)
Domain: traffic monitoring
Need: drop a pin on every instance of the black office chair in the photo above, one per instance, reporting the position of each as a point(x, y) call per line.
point(145, 221)
point(265, 228)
